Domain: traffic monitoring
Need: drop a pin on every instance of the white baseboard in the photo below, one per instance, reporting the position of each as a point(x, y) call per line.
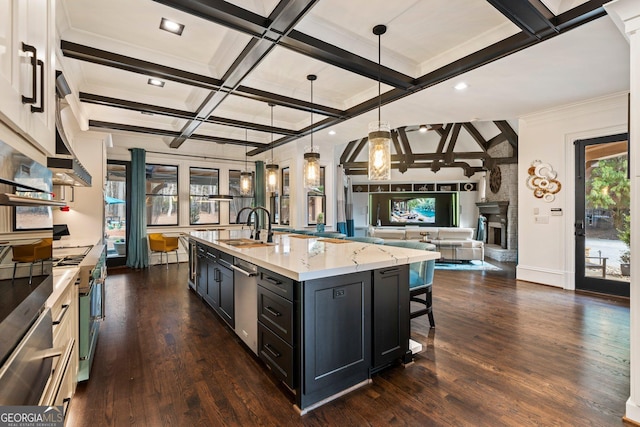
point(544, 276)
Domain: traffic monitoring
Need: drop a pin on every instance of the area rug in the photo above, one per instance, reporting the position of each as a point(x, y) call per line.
point(471, 265)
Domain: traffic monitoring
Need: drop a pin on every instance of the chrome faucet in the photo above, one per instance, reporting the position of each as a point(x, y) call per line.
point(257, 222)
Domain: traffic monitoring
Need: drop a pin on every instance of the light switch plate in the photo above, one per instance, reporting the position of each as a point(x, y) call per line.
point(542, 219)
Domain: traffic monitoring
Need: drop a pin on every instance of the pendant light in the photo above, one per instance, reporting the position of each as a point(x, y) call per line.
point(312, 159)
point(246, 177)
point(379, 132)
point(272, 168)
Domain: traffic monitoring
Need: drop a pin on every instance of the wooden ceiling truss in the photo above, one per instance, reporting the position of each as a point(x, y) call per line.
point(445, 156)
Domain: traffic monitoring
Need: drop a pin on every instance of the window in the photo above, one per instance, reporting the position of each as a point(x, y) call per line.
point(316, 201)
point(283, 215)
point(162, 194)
point(239, 201)
point(115, 210)
point(202, 183)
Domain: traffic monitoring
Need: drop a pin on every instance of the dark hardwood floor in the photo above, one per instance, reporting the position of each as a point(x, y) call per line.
point(504, 353)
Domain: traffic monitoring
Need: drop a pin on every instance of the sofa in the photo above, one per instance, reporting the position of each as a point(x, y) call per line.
point(453, 243)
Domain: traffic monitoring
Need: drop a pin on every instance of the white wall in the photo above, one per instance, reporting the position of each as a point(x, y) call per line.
point(546, 252)
point(85, 217)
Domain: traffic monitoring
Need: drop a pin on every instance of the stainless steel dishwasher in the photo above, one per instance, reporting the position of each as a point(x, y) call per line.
point(246, 302)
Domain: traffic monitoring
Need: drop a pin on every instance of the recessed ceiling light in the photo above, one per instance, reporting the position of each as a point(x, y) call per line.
point(155, 82)
point(461, 86)
point(171, 26)
point(332, 132)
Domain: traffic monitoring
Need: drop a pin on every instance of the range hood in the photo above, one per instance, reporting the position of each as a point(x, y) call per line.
point(66, 168)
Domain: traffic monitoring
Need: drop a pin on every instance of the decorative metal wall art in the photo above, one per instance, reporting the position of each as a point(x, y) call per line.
point(542, 181)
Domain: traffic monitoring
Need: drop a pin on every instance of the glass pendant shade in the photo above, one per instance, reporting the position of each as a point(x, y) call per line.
point(272, 178)
point(246, 183)
point(379, 151)
point(312, 170)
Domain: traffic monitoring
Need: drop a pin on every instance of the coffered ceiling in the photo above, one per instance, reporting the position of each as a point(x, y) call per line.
point(233, 58)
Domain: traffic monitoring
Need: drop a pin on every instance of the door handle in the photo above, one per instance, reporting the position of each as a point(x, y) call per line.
point(579, 228)
point(34, 77)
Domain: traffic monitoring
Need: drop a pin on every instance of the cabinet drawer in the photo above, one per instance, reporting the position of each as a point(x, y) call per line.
point(277, 354)
point(276, 313)
point(281, 285)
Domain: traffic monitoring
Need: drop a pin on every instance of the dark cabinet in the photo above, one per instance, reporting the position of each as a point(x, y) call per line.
point(336, 318)
point(212, 295)
point(193, 264)
point(215, 282)
point(276, 325)
point(201, 274)
point(390, 311)
point(225, 306)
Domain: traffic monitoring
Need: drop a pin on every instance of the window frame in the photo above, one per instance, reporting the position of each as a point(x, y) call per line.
point(176, 195)
point(201, 196)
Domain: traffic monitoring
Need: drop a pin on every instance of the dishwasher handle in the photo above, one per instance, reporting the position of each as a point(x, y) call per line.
point(243, 271)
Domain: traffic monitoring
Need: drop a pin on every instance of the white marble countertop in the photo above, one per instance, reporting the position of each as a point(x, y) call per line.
point(62, 276)
point(312, 258)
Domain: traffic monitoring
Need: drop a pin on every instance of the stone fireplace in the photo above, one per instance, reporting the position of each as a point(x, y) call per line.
point(499, 237)
point(497, 221)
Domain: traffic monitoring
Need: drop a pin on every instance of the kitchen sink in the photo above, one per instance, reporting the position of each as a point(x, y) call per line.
point(244, 243)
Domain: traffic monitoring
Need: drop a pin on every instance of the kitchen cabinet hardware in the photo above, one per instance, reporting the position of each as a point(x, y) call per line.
point(274, 281)
point(271, 350)
point(389, 271)
point(39, 109)
point(65, 406)
point(273, 312)
point(27, 48)
point(65, 308)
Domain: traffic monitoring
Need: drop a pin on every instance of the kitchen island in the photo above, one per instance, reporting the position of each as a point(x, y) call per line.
point(325, 314)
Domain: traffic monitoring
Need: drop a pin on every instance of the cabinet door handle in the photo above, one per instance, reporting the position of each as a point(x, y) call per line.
point(39, 109)
point(34, 77)
point(273, 312)
point(389, 271)
point(65, 406)
point(65, 308)
point(273, 281)
point(272, 350)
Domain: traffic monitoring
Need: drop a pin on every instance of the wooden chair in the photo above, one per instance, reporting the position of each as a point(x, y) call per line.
point(163, 244)
point(420, 279)
point(32, 253)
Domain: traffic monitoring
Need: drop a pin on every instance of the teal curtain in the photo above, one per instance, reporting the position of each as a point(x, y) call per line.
point(137, 252)
point(261, 191)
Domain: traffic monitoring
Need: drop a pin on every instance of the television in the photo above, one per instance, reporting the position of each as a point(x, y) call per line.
point(427, 209)
point(421, 210)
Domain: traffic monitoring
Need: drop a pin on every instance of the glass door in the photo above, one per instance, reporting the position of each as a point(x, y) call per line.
point(602, 215)
point(115, 198)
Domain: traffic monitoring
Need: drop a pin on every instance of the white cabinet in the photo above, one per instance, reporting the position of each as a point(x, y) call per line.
point(27, 69)
point(63, 303)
